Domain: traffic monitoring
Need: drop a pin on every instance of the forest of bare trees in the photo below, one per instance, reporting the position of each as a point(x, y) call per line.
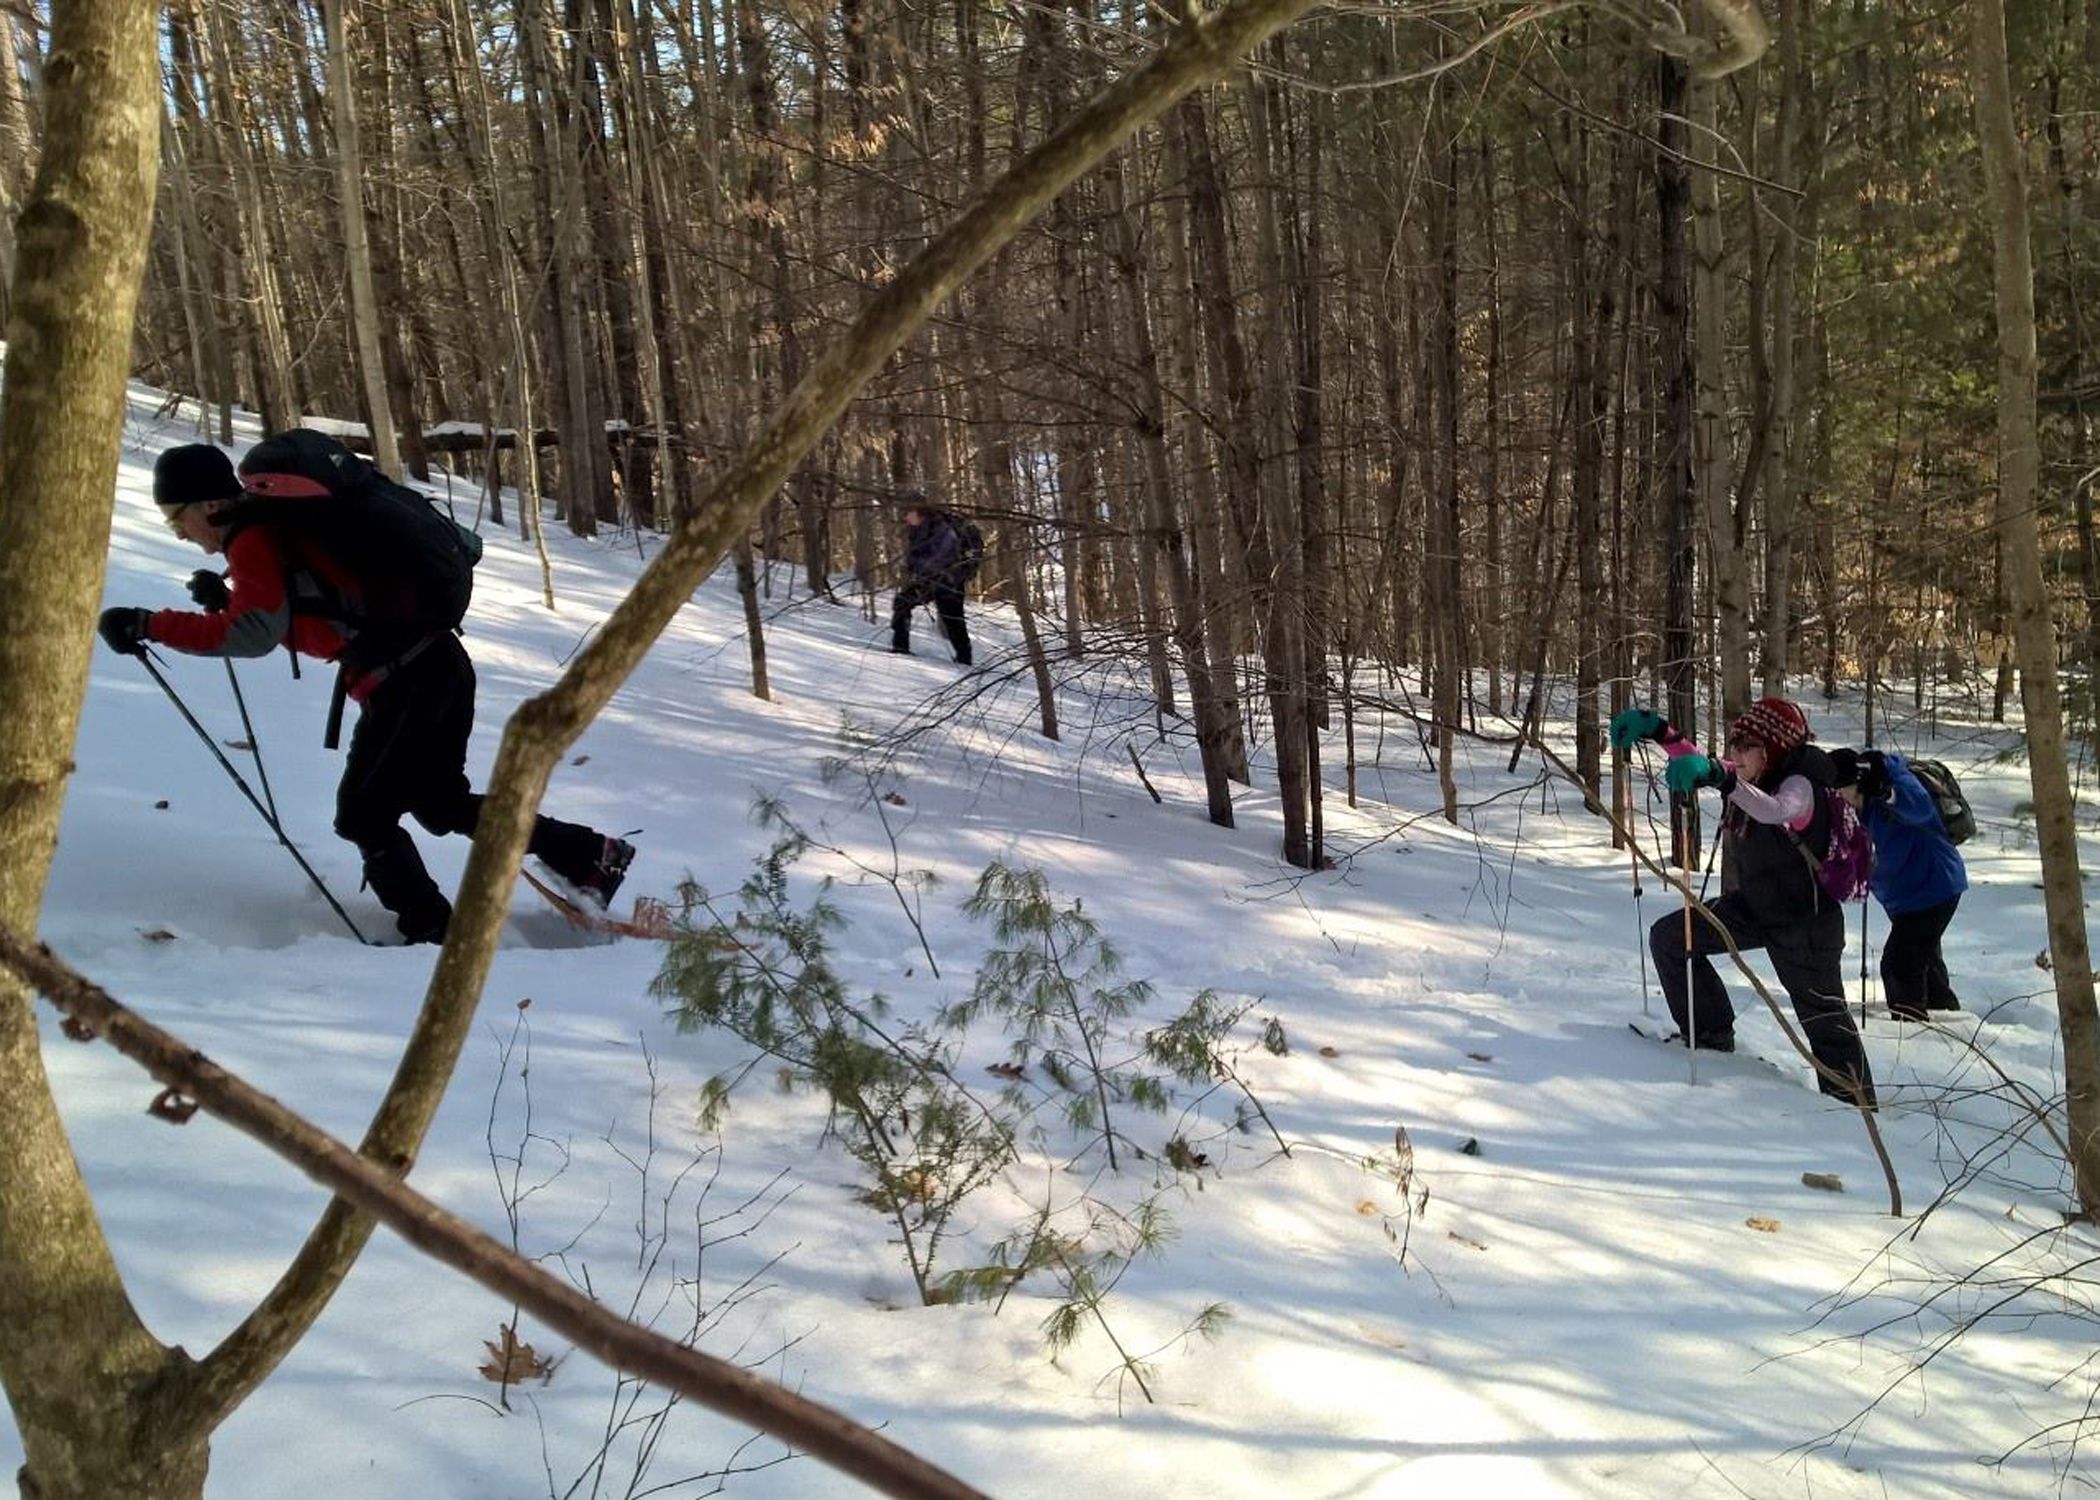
point(1437, 357)
point(1496, 347)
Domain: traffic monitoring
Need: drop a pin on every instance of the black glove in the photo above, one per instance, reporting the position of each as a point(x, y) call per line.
point(208, 589)
point(123, 629)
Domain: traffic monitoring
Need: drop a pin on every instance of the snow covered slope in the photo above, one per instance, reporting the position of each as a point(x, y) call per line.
point(1622, 1288)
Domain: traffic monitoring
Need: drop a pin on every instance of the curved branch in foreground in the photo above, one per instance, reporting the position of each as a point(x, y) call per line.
point(373, 1190)
point(1683, 883)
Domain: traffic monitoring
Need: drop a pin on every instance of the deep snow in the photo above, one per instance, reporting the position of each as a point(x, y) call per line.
point(1583, 1307)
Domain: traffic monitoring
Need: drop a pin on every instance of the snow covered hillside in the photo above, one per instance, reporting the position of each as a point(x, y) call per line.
point(1599, 1280)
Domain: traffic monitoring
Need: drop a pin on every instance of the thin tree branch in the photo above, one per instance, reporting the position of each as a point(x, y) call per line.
point(379, 1193)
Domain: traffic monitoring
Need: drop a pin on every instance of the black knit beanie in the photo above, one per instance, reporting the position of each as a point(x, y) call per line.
point(191, 473)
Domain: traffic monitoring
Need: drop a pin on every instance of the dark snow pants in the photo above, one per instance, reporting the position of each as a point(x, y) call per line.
point(408, 757)
point(1913, 974)
point(1809, 961)
point(947, 601)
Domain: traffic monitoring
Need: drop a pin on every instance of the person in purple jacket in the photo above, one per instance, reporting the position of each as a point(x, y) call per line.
point(1919, 877)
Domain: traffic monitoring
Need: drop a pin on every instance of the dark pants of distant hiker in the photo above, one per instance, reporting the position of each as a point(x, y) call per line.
point(408, 757)
point(1809, 961)
point(1913, 974)
point(947, 601)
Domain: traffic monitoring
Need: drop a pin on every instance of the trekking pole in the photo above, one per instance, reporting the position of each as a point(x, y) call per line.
point(1682, 808)
point(248, 792)
point(1640, 920)
point(1862, 967)
point(1640, 928)
point(254, 745)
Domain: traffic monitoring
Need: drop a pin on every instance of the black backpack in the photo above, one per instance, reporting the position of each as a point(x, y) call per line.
point(413, 564)
point(1956, 816)
point(969, 547)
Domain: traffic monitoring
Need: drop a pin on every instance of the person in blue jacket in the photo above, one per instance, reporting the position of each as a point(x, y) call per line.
point(1918, 877)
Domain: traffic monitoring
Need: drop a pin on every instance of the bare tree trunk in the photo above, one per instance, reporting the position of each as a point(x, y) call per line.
point(1590, 317)
point(1727, 518)
point(17, 153)
point(1782, 488)
point(403, 325)
point(1216, 592)
point(1493, 640)
point(996, 474)
point(2019, 493)
point(364, 304)
point(82, 1374)
point(579, 417)
point(256, 264)
point(754, 616)
point(1680, 544)
point(1445, 564)
point(1164, 536)
point(1240, 426)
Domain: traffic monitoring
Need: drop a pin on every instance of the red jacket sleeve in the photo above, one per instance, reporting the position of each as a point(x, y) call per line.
point(256, 621)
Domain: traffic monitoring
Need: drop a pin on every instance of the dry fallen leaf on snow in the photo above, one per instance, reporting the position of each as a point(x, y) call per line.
point(1827, 1181)
point(1330, 1052)
point(158, 935)
point(512, 1362)
point(1762, 1225)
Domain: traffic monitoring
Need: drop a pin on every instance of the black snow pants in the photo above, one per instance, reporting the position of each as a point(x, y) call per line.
point(1809, 961)
point(947, 601)
point(408, 757)
point(1913, 974)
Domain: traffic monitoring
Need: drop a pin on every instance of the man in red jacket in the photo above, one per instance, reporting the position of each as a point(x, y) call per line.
point(408, 754)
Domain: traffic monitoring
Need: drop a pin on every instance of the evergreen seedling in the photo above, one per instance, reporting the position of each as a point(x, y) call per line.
point(1054, 981)
point(765, 975)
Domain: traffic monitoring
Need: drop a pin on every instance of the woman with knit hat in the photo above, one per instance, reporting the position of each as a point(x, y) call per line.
point(1777, 824)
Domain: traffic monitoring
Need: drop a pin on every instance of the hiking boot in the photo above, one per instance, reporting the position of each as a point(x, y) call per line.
point(603, 879)
point(1906, 1013)
point(1718, 1041)
point(397, 877)
point(423, 929)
